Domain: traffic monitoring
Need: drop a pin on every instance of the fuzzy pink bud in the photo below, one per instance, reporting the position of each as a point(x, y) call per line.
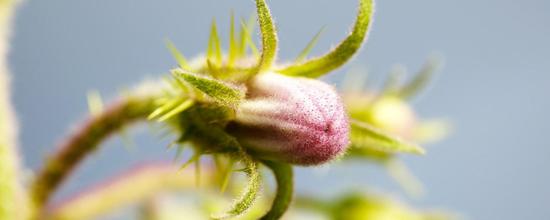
point(295, 120)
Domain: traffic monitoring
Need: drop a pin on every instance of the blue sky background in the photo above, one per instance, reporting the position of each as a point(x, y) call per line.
point(494, 86)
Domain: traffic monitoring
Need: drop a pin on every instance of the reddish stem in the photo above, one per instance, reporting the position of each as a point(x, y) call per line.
point(84, 140)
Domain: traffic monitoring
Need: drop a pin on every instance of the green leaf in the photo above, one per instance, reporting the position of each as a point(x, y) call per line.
point(285, 189)
point(317, 67)
point(421, 79)
point(214, 51)
point(305, 52)
point(182, 61)
point(269, 36)
point(220, 91)
point(365, 135)
point(250, 193)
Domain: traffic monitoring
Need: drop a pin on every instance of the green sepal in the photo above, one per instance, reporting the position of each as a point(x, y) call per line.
point(170, 109)
point(233, 45)
point(250, 193)
point(226, 174)
point(362, 152)
point(218, 90)
point(305, 52)
point(404, 177)
point(209, 137)
point(214, 51)
point(364, 135)
point(421, 79)
point(269, 36)
point(178, 56)
point(213, 68)
point(198, 170)
point(247, 28)
point(317, 67)
point(176, 110)
point(393, 82)
point(196, 156)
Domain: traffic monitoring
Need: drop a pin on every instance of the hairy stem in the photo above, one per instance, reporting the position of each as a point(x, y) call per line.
point(85, 140)
point(11, 198)
point(285, 189)
point(138, 184)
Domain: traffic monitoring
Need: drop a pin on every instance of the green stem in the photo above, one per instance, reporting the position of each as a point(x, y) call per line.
point(135, 185)
point(85, 140)
point(285, 189)
point(11, 198)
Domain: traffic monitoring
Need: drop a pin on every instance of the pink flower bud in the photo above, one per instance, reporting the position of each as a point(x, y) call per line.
point(296, 120)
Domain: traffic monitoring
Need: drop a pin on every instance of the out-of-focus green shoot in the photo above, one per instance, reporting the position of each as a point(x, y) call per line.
point(361, 206)
point(389, 115)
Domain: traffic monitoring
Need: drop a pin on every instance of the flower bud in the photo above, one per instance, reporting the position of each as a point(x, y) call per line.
point(389, 113)
point(295, 120)
point(394, 115)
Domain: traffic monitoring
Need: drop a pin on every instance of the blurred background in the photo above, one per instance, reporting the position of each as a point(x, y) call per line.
point(493, 88)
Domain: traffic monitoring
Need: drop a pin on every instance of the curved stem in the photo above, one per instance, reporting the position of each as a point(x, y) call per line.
point(85, 140)
point(285, 187)
point(11, 198)
point(137, 184)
